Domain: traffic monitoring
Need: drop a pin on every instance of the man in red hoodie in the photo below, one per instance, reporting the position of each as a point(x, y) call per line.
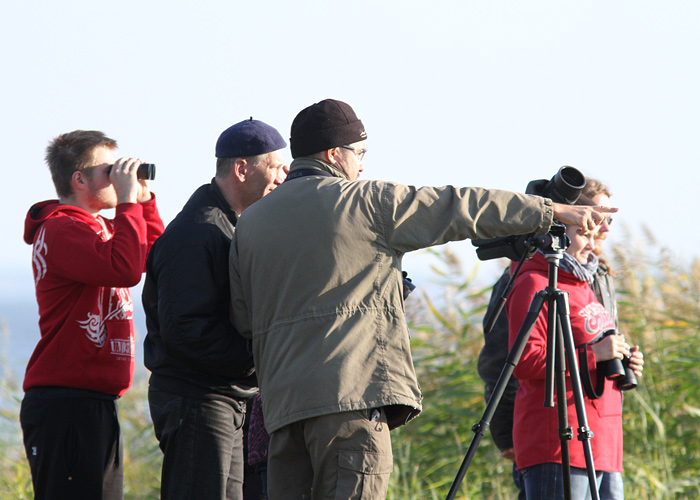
point(83, 266)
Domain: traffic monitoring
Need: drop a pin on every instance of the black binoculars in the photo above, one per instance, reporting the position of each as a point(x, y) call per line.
point(619, 370)
point(146, 171)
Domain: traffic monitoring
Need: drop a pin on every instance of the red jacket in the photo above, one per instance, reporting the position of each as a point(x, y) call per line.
point(83, 266)
point(535, 428)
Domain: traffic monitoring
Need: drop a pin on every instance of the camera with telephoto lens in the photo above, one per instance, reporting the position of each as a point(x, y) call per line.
point(565, 187)
point(619, 369)
point(146, 171)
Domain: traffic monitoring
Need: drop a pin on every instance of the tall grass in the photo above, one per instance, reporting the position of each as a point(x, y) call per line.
point(15, 479)
point(659, 302)
point(446, 340)
point(660, 311)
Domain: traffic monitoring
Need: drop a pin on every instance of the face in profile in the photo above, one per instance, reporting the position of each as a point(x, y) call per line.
point(267, 175)
point(582, 243)
point(352, 159)
point(101, 192)
point(604, 201)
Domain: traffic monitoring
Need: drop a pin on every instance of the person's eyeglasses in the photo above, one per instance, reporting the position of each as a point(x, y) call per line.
point(609, 220)
point(359, 152)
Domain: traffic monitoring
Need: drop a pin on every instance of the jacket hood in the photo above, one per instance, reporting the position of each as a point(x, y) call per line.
point(44, 210)
point(536, 263)
point(539, 264)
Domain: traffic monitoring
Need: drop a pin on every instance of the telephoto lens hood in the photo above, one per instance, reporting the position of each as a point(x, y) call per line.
point(565, 187)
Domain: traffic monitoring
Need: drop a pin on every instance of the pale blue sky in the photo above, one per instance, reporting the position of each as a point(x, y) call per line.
point(485, 93)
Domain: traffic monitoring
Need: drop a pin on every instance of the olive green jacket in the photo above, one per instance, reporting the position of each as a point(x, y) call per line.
point(316, 283)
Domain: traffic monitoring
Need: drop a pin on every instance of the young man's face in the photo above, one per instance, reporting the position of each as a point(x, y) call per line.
point(101, 193)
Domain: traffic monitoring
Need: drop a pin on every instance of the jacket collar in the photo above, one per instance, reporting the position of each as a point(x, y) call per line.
point(306, 162)
point(223, 204)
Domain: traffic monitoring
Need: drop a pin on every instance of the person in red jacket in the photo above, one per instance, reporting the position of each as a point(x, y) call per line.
point(83, 267)
point(535, 427)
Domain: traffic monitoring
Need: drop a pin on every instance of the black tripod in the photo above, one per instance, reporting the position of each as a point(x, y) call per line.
point(560, 351)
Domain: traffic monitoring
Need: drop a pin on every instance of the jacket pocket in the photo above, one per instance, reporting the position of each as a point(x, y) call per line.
point(166, 415)
point(72, 446)
point(363, 475)
point(610, 404)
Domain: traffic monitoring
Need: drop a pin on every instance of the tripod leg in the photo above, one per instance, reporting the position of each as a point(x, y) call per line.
point(553, 341)
point(584, 432)
point(511, 361)
point(565, 432)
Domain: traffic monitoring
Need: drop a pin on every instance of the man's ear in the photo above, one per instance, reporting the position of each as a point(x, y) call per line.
point(241, 169)
point(79, 180)
point(332, 155)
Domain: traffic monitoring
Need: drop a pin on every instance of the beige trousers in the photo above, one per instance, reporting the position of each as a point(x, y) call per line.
point(339, 456)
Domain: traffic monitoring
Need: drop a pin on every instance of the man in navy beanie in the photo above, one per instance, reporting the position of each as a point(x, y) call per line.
point(201, 369)
point(322, 300)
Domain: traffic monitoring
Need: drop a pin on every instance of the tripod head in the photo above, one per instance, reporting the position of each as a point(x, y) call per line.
point(554, 243)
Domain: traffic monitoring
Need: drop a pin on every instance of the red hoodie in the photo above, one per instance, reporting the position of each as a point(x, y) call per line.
point(535, 427)
point(83, 266)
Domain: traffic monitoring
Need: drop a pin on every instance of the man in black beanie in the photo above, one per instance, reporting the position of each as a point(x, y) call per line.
point(201, 369)
point(316, 283)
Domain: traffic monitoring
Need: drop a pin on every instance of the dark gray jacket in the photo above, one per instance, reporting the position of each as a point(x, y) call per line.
point(192, 347)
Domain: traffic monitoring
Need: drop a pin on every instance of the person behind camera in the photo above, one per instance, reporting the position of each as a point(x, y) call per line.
point(536, 440)
point(83, 266)
point(594, 193)
point(316, 282)
point(201, 369)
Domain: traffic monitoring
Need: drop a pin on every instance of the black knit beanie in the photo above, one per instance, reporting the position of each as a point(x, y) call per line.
point(325, 125)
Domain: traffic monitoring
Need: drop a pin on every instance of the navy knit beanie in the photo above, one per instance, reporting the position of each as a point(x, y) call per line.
point(325, 125)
